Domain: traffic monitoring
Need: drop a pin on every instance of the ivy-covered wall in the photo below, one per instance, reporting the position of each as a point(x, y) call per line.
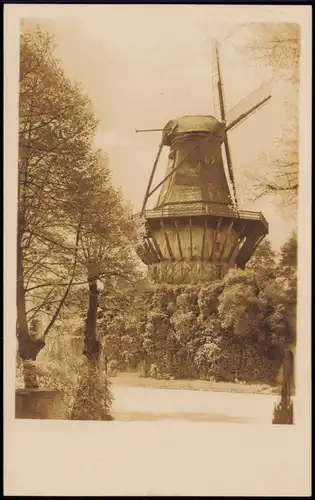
point(234, 328)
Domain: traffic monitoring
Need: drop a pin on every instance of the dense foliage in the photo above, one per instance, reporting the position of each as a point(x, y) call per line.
point(236, 329)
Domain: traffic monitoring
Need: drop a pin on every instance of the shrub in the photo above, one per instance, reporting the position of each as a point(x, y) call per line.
point(64, 377)
point(112, 368)
point(93, 398)
point(283, 414)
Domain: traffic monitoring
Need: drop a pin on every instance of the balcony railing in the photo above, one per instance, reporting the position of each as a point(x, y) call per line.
point(204, 209)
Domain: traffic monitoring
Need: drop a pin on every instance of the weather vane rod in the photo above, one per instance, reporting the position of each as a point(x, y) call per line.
point(149, 130)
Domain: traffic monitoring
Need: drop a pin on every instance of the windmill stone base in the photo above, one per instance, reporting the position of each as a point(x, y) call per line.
point(180, 273)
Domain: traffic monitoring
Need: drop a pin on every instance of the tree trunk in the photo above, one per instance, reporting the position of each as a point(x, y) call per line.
point(93, 398)
point(91, 344)
point(29, 374)
point(28, 347)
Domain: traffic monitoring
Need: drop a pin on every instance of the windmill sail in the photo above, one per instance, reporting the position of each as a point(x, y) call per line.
point(218, 92)
point(248, 105)
point(215, 79)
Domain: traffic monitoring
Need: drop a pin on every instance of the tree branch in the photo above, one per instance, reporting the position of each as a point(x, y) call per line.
point(64, 298)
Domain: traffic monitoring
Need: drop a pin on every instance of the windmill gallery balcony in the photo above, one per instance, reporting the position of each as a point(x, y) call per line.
point(189, 209)
point(193, 242)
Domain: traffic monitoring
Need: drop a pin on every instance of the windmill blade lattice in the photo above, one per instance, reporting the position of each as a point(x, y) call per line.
point(218, 92)
point(215, 80)
point(244, 108)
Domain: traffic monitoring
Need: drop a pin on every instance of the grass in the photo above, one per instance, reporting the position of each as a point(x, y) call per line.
point(135, 380)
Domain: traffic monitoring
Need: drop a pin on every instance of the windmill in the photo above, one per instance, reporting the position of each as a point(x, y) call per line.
point(196, 231)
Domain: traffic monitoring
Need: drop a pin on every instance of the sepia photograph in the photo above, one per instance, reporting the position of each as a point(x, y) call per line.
point(157, 235)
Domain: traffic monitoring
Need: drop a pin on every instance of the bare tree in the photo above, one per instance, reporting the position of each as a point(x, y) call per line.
point(278, 171)
point(277, 45)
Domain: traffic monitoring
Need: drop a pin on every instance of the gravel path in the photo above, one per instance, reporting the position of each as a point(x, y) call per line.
point(145, 404)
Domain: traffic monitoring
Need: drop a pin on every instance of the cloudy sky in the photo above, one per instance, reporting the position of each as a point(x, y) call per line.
point(143, 65)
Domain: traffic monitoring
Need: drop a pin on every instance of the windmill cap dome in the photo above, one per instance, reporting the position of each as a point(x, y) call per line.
point(193, 123)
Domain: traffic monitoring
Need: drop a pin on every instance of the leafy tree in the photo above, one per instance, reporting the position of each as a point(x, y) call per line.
point(263, 261)
point(287, 277)
point(283, 411)
point(123, 315)
point(105, 255)
point(56, 126)
point(240, 309)
point(73, 228)
point(288, 254)
point(250, 350)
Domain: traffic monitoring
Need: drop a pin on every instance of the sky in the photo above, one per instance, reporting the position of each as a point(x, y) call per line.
point(144, 65)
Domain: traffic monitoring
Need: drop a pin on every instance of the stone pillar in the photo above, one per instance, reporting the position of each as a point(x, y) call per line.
point(39, 404)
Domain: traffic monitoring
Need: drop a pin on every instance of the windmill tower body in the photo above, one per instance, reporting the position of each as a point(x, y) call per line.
point(196, 232)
